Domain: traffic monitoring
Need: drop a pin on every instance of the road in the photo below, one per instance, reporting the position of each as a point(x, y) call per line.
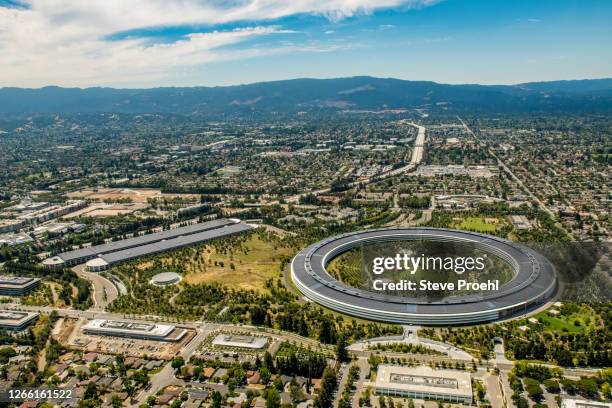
point(104, 291)
point(417, 157)
point(419, 145)
point(507, 169)
point(411, 336)
point(364, 368)
point(166, 376)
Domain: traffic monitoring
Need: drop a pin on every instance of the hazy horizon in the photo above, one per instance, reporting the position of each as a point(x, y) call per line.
point(305, 78)
point(155, 43)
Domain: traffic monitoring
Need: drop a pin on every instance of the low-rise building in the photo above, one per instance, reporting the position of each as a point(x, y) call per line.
point(424, 382)
point(17, 285)
point(576, 403)
point(16, 238)
point(11, 225)
point(145, 331)
point(239, 340)
point(16, 320)
point(100, 257)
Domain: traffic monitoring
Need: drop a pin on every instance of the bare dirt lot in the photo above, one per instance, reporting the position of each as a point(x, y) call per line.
point(71, 336)
point(107, 210)
point(135, 195)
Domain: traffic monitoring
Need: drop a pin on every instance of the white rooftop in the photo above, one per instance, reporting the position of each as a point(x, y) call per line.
point(121, 327)
point(55, 260)
point(239, 340)
point(96, 263)
point(424, 379)
point(576, 403)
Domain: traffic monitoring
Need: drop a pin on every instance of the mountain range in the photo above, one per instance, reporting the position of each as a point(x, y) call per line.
point(289, 96)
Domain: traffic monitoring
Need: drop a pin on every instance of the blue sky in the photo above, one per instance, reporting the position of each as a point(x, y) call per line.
point(148, 43)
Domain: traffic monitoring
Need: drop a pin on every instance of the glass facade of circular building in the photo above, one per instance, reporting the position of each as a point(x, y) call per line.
point(534, 281)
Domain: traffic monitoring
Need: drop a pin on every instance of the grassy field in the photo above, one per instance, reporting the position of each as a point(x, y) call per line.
point(478, 224)
point(582, 321)
point(247, 267)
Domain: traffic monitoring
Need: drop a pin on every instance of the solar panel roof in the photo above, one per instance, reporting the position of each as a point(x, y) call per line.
point(178, 242)
point(123, 244)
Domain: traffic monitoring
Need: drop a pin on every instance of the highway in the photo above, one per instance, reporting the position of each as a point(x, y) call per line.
point(417, 157)
point(419, 145)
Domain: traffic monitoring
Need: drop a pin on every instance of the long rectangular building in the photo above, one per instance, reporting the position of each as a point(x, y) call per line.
point(145, 331)
point(130, 248)
point(424, 382)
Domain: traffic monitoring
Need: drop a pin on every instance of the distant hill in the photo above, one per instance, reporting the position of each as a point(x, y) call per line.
point(314, 94)
point(578, 86)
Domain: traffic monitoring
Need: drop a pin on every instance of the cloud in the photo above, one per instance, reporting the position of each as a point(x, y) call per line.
point(69, 42)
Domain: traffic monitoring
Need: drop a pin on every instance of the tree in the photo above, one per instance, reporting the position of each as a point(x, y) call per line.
point(91, 392)
point(264, 375)
point(295, 391)
point(552, 386)
point(116, 402)
point(216, 399)
point(231, 385)
point(327, 333)
point(177, 362)
point(324, 398)
point(273, 398)
point(606, 390)
point(278, 383)
point(341, 352)
point(258, 315)
point(268, 362)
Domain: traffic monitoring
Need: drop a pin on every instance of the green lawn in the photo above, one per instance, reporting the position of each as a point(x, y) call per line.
point(585, 316)
point(477, 224)
point(557, 324)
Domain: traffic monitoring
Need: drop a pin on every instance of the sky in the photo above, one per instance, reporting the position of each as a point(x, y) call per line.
point(150, 43)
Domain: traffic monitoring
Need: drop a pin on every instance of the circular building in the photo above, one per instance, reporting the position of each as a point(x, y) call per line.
point(54, 262)
point(166, 279)
point(96, 265)
point(534, 281)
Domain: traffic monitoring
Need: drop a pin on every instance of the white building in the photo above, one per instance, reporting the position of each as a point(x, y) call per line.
point(575, 403)
point(241, 341)
point(424, 382)
point(146, 331)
